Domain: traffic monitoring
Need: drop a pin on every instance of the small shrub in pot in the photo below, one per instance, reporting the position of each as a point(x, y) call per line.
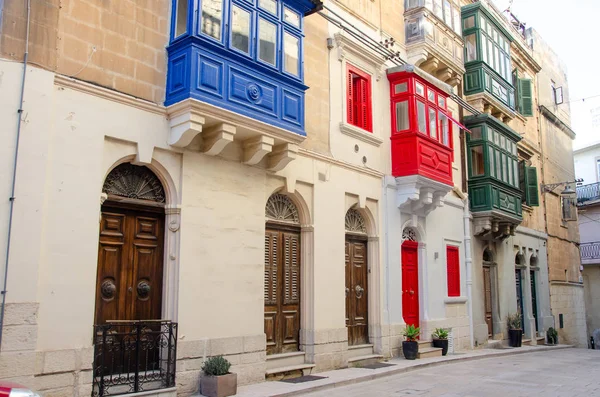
point(515, 330)
point(440, 339)
point(217, 381)
point(410, 347)
point(552, 336)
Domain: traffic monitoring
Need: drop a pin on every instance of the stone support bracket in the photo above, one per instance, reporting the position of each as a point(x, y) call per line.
point(184, 128)
point(281, 156)
point(417, 194)
point(256, 149)
point(216, 138)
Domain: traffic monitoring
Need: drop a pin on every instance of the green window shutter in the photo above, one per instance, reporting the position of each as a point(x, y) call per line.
point(522, 179)
point(515, 81)
point(531, 186)
point(525, 97)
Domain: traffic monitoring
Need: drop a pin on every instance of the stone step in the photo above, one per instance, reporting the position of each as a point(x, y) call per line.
point(540, 340)
point(428, 352)
point(360, 361)
point(526, 342)
point(285, 360)
point(359, 350)
point(424, 343)
point(292, 371)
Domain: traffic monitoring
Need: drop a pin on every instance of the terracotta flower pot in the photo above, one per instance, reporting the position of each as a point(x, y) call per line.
point(443, 343)
point(218, 386)
point(410, 349)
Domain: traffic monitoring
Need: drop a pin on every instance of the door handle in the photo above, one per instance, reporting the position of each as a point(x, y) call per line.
point(347, 291)
point(411, 292)
point(130, 289)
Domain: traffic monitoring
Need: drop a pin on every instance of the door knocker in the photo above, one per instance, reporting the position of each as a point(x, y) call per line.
point(359, 291)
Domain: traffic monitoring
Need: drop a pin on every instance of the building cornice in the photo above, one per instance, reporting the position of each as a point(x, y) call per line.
point(557, 122)
point(322, 157)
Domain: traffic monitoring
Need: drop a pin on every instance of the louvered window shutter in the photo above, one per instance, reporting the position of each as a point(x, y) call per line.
point(453, 271)
point(271, 252)
point(364, 105)
point(525, 97)
point(531, 186)
point(350, 99)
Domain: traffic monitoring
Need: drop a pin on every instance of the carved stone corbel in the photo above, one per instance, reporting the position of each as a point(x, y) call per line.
point(256, 149)
point(184, 128)
point(216, 138)
point(282, 156)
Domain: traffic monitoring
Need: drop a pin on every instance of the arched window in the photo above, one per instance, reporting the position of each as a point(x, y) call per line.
point(281, 208)
point(519, 259)
point(488, 256)
point(135, 182)
point(355, 222)
point(409, 234)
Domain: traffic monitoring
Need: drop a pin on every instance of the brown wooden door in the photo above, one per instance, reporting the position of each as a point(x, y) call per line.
point(410, 283)
point(130, 265)
point(357, 302)
point(487, 294)
point(282, 290)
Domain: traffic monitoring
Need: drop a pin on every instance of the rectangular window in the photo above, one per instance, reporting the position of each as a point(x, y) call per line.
point(470, 47)
point(267, 39)
point(421, 117)
point(453, 270)
point(484, 48)
point(477, 163)
point(442, 102)
point(432, 123)
point(420, 89)
point(437, 9)
point(456, 16)
point(491, 157)
point(268, 5)
point(291, 17)
point(402, 116)
point(447, 13)
point(516, 171)
point(498, 165)
point(475, 133)
point(525, 96)
point(212, 15)
point(240, 29)
point(431, 95)
point(291, 48)
point(400, 88)
point(444, 129)
point(469, 22)
point(182, 16)
point(359, 99)
point(529, 184)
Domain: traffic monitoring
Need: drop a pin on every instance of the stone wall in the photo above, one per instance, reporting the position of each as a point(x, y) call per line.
point(591, 285)
point(568, 300)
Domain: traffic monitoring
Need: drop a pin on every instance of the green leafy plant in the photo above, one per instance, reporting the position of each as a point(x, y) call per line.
point(411, 333)
point(514, 321)
point(552, 335)
point(440, 333)
point(216, 366)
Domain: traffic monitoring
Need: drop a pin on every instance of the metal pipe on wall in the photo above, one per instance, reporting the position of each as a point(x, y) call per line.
point(468, 266)
point(14, 173)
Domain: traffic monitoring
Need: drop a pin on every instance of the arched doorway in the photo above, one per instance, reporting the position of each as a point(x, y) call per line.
point(488, 292)
point(519, 266)
point(357, 301)
point(282, 275)
point(410, 277)
point(130, 251)
point(533, 267)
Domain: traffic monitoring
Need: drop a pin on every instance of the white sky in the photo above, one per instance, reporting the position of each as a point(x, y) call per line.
point(571, 28)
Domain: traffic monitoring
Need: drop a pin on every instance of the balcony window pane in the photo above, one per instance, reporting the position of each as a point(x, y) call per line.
point(267, 37)
point(491, 157)
point(268, 5)
point(431, 96)
point(240, 29)
point(477, 165)
point(475, 133)
point(291, 49)
point(471, 47)
point(402, 116)
point(432, 123)
point(516, 171)
point(400, 88)
point(421, 115)
point(505, 176)
point(441, 102)
point(484, 48)
point(182, 14)
point(482, 24)
point(437, 9)
point(428, 4)
point(447, 13)
point(444, 127)
point(469, 22)
point(456, 16)
point(291, 17)
point(498, 165)
point(212, 15)
point(490, 52)
point(420, 89)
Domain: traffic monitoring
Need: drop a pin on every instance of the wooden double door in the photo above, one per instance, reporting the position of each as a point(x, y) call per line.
point(410, 283)
point(357, 300)
point(282, 288)
point(130, 264)
point(487, 299)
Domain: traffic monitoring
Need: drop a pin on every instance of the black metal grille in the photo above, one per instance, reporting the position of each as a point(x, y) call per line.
point(588, 193)
point(134, 356)
point(590, 250)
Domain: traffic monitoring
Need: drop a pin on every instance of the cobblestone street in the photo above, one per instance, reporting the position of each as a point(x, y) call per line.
point(568, 372)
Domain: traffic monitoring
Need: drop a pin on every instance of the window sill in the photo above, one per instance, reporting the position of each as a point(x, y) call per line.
point(455, 299)
point(527, 208)
point(360, 134)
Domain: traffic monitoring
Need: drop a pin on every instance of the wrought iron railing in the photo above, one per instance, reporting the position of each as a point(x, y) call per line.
point(588, 192)
point(590, 250)
point(134, 356)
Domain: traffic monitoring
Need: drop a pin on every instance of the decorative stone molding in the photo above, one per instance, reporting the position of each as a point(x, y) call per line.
point(360, 134)
point(487, 103)
point(419, 195)
point(216, 138)
point(184, 128)
point(281, 156)
point(345, 44)
point(256, 149)
point(494, 225)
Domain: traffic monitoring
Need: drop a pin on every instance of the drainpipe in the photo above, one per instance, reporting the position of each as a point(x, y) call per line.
point(387, 262)
point(468, 264)
point(14, 173)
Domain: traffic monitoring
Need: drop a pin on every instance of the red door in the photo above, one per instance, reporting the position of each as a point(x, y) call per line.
point(410, 283)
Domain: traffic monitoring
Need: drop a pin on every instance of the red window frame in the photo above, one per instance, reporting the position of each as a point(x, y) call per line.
point(358, 99)
point(453, 270)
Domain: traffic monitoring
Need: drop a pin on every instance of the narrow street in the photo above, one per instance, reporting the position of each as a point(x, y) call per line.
point(568, 372)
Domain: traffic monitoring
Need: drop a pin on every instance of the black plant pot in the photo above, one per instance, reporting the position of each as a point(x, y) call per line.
point(443, 343)
point(410, 349)
point(515, 337)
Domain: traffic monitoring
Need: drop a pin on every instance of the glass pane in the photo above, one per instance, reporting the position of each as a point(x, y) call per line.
point(469, 22)
point(429, 4)
point(420, 89)
point(431, 95)
point(456, 16)
point(516, 171)
point(182, 13)
point(475, 133)
point(503, 142)
point(291, 17)
point(267, 37)
point(400, 88)
point(402, 116)
point(497, 138)
point(482, 23)
point(491, 156)
point(471, 47)
point(437, 9)
point(447, 13)
point(291, 50)
point(421, 117)
point(444, 127)
point(240, 29)
point(484, 48)
point(490, 53)
point(477, 166)
point(269, 5)
point(212, 14)
point(432, 123)
point(498, 164)
point(441, 102)
point(505, 169)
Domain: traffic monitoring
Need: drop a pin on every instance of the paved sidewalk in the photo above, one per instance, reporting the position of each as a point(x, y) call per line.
point(349, 376)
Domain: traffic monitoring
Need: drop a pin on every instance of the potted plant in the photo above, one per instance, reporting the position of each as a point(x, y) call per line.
point(410, 347)
point(515, 331)
point(552, 336)
point(440, 339)
point(217, 381)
